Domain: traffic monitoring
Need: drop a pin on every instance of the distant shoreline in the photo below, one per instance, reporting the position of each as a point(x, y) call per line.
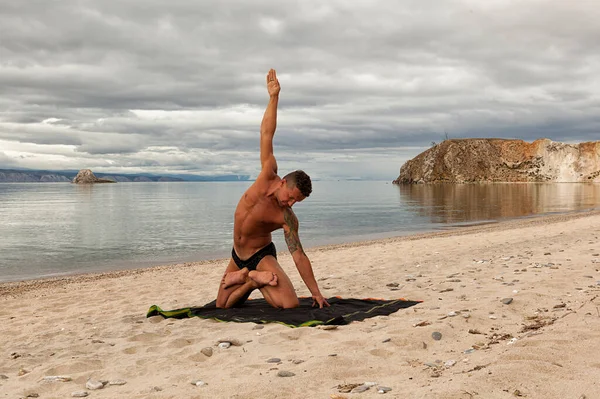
point(51, 176)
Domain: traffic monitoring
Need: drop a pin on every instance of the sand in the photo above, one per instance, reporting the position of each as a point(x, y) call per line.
point(544, 344)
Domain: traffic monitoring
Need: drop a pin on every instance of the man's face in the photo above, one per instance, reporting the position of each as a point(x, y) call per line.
point(289, 196)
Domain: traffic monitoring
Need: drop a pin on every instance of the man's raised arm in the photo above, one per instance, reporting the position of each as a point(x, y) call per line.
point(269, 124)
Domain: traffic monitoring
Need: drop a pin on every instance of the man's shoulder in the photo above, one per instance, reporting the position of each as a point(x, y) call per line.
point(266, 179)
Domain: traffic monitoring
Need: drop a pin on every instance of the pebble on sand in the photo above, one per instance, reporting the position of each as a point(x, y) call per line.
point(285, 374)
point(92, 384)
point(79, 394)
point(360, 389)
point(208, 351)
point(436, 335)
point(506, 301)
point(231, 341)
point(56, 378)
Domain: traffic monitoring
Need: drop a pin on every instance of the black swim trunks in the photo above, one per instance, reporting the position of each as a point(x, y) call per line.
point(252, 262)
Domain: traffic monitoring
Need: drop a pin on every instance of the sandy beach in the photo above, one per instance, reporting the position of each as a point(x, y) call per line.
point(516, 304)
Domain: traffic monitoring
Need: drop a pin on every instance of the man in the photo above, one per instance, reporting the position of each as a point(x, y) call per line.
point(265, 207)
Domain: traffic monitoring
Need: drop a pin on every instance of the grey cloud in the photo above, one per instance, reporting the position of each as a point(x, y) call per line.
point(355, 76)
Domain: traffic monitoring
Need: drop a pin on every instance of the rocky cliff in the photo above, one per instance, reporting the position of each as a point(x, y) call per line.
point(500, 160)
point(85, 176)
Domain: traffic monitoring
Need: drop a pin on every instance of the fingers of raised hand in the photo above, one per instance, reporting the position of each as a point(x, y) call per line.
point(271, 76)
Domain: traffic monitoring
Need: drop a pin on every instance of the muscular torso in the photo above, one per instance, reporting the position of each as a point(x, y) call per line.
point(256, 216)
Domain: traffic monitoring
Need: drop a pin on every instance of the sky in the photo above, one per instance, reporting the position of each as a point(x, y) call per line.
point(178, 86)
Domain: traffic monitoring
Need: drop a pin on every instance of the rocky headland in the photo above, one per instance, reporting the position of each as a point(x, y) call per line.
point(503, 160)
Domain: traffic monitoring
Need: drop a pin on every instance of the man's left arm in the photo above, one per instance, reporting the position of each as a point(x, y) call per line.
point(290, 231)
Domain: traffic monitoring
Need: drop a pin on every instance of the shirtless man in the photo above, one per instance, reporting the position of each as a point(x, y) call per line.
point(265, 207)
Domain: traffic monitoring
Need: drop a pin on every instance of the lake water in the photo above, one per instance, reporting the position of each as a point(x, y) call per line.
point(60, 228)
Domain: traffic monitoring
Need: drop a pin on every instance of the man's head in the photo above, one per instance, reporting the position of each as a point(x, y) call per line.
point(295, 187)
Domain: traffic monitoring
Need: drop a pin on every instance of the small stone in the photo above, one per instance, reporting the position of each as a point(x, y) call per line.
point(208, 351)
point(274, 360)
point(394, 285)
point(328, 327)
point(470, 350)
point(93, 385)
point(283, 373)
point(79, 394)
point(156, 389)
point(507, 301)
point(22, 372)
point(224, 345)
point(298, 361)
point(200, 383)
point(382, 389)
point(451, 314)
point(436, 335)
point(231, 341)
point(422, 324)
point(547, 253)
point(560, 306)
point(493, 317)
point(258, 327)
point(386, 340)
point(370, 384)
point(117, 382)
point(360, 389)
point(57, 378)
point(450, 363)
point(33, 395)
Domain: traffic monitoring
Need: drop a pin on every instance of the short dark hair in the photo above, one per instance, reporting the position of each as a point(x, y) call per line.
point(301, 180)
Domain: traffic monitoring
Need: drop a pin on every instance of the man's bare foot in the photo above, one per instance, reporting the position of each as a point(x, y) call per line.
point(235, 278)
point(263, 278)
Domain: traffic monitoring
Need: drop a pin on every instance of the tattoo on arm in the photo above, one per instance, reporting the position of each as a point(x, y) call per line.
point(291, 233)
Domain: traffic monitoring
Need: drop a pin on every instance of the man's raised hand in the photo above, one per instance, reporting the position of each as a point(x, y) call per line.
point(272, 83)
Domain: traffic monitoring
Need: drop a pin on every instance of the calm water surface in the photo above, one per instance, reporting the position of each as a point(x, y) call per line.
point(55, 229)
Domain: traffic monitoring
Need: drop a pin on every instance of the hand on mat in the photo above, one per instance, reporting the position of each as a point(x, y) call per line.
point(318, 299)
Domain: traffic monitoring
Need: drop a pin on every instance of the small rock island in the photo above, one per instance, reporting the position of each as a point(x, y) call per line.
point(85, 176)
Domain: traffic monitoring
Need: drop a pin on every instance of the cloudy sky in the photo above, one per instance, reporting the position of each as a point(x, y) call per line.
point(178, 86)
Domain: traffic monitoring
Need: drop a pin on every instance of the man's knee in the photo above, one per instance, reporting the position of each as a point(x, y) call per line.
point(290, 303)
point(221, 302)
